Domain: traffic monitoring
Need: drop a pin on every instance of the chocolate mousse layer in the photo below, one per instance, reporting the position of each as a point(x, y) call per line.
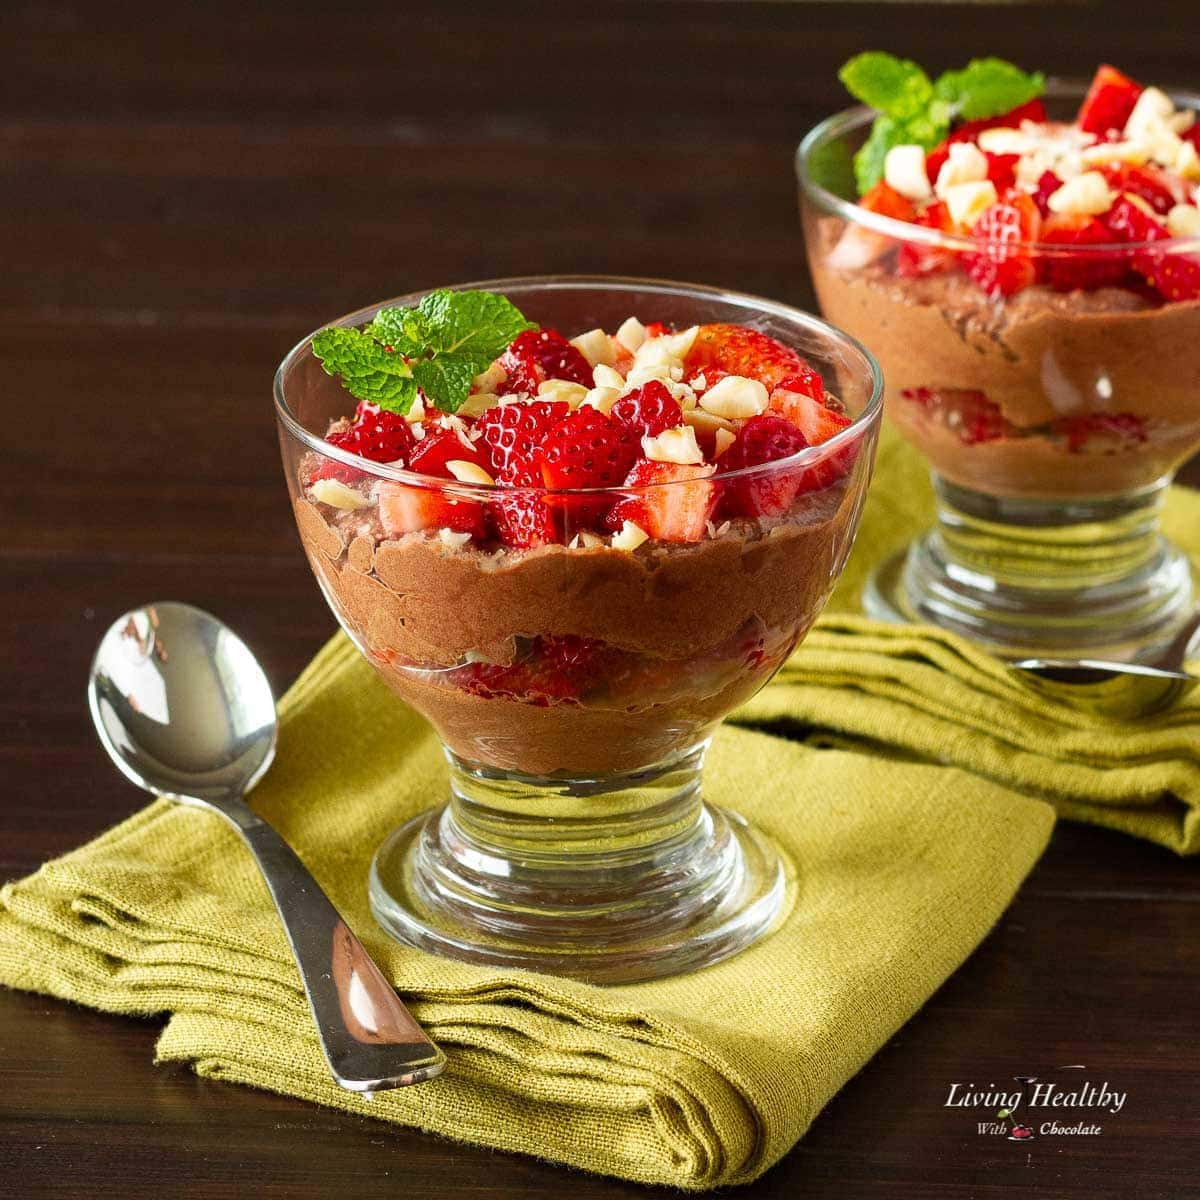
point(680, 616)
point(1039, 356)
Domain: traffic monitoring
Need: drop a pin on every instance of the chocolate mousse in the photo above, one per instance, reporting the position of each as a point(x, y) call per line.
point(608, 543)
point(1045, 343)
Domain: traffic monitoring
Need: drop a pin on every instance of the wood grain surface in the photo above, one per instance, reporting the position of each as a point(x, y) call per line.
point(185, 191)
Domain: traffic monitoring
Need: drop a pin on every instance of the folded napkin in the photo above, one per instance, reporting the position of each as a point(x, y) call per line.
point(898, 870)
point(916, 692)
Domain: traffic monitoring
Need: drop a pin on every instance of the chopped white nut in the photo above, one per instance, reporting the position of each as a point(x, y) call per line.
point(630, 537)
point(699, 382)
point(631, 333)
point(1181, 121)
point(489, 380)
point(1085, 195)
point(676, 445)
point(735, 397)
point(338, 495)
point(606, 377)
point(601, 398)
point(453, 539)
point(656, 352)
point(1136, 153)
point(596, 347)
point(706, 422)
point(723, 439)
point(1006, 140)
point(680, 343)
point(477, 403)
point(562, 389)
point(1151, 112)
point(967, 202)
point(965, 163)
point(1184, 221)
point(904, 171)
point(641, 373)
point(1164, 146)
point(468, 472)
point(716, 531)
point(1187, 162)
point(590, 540)
point(416, 414)
point(1140, 202)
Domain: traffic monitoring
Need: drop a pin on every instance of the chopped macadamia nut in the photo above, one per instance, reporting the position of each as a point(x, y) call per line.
point(1085, 195)
point(630, 536)
point(453, 539)
point(656, 352)
point(735, 397)
point(1184, 221)
point(1006, 140)
point(489, 380)
point(967, 202)
point(590, 540)
point(468, 472)
point(1187, 162)
point(1136, 153)
point(602, 399)
point(680, 343)
point(722, 440)
point(965, 163)
point(606, 377)
point(416, 414)
point(477, 403)
point(562, 389)
point(705, 422)
point(677, 445)
point(338, 495)
point(631, 333)
point(1151, 112)
point(904, 171)
point(596, 347)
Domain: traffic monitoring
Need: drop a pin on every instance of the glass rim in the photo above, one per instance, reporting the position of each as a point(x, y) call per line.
point(857, 115)
point(869, 416)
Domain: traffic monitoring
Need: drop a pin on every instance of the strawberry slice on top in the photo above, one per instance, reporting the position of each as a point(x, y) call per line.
point(647, 410)
point(1108, 102)
point(511, 433)
point(1074, 267)
point(440, 446)
point(735, 350)
point(540, 354)
point(1004, 262)
point(675, 505)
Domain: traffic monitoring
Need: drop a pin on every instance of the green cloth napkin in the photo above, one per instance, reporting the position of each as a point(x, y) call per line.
point(916, 692)
point(898, 871)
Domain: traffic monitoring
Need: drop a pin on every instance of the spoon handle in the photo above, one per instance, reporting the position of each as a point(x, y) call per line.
point(370, 1039)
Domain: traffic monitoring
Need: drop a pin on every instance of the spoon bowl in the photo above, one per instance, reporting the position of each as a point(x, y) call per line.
point(185, 711)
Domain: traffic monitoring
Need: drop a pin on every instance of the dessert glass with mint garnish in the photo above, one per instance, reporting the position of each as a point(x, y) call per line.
point(1024, 260)
point(574, 522)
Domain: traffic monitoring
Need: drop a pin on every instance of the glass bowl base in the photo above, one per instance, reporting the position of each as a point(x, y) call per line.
point(680, 902)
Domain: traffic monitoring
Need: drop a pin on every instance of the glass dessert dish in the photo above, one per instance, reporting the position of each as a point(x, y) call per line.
point(1041, 347)
point(575, 647)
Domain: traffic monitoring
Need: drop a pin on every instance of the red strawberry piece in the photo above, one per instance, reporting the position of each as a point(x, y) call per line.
point(919, 258)
point(648, 410)
point(1192, 134)
point(1131, 223)
point(888, 202)
point(1002, 170)
point(1048, 183)
point(807, 382)
point(1075, 266)
point(326, 468)
point(1031, 110)
point(736, 350)
point(523, 520)
point(554, 670)
point(586, 450)
point(1156, 187)
point(510, 433)
point(1108, 102)
point(815, 420)
point(674, 504)
point(762, 439)
point(969, 413)
point(1004, 262)
point(540, 354)
point(377, 434)
point(406, 509)
point(1103, 432)
point(440, 446)
point(1177, 276)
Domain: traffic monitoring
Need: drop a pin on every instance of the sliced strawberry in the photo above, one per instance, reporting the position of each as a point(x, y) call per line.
point(1177, 276)
point(816, 422)
point(1108, 102)
point(859, 246)
point(648, 410)
point(1130, 223)
point(377, 434)
point(969, 413)
point(1076, 267)
point(1156, 187)
point(1002, 170)
point(540, 354)
point(918, 258)
point(762, 439)
point(440, 446)
point(736, 350)
point(510, 433)
point(553, 670)
point(523, 520)
point(968, 131)
point(1004, 262)
point(1101, 432)
point(586, 450)
point(675, 504)
point(1048, 183)
point(404, 509)
point(807, 382)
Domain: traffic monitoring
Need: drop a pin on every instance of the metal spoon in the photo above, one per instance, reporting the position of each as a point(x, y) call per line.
point(1116, 689)
point(185, 711)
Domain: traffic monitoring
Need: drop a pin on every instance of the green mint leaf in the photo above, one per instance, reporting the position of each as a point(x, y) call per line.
point(895, 86)
point(987, 87)
point(446, 378)
point(404, 329)
point(367, 370)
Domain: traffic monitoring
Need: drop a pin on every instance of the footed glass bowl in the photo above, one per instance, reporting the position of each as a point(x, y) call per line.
point(1053, 419)
point(575, 686)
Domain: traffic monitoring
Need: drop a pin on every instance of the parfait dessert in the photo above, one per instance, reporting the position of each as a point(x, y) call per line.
point(574, 523)
point(1025, 261)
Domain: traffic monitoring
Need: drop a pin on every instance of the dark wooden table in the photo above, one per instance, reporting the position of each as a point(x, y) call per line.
point(184, 197)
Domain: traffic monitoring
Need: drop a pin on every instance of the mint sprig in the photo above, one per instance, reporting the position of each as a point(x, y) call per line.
point(438, 347)
point(915, 110)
